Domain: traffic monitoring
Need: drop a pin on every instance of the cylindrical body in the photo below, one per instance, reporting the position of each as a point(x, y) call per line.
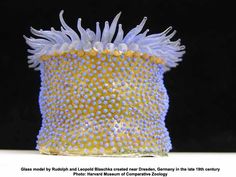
point(102, 105)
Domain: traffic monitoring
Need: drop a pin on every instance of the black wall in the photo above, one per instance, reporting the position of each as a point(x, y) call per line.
point(202, 97)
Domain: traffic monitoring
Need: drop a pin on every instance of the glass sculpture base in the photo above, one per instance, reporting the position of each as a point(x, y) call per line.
point(124, 154)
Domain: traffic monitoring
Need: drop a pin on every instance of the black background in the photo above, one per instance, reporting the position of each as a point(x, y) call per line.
point(202, 99)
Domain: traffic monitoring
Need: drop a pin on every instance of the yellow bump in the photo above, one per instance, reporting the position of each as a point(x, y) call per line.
point(162, 61)
point(129, 53)
point(44, 57)
point(73, 51)
point(157, 60)
point(116, 53)
point(80, 53)
point(137, 54)
point(145, 56)
point(92, 53)
point(152, 58)
point(56, 54)
point(105, 52)
point(63, 54)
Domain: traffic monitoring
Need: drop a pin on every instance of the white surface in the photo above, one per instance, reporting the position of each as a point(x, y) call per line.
point(11, 162)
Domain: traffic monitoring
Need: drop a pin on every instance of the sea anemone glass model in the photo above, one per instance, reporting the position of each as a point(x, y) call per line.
point(101, 93)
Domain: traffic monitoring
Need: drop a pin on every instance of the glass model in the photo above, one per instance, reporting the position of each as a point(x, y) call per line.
point(101, 93)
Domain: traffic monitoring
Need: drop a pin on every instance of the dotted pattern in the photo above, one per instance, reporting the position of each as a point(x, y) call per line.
point(102, 105)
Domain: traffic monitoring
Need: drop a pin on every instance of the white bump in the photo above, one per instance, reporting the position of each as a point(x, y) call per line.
point(122, 47)
point(98, 46)
point(134, 47)
point(110, 47)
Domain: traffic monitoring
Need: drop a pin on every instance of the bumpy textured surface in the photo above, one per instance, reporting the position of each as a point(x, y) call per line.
point(101, 104)
point(102, 92)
